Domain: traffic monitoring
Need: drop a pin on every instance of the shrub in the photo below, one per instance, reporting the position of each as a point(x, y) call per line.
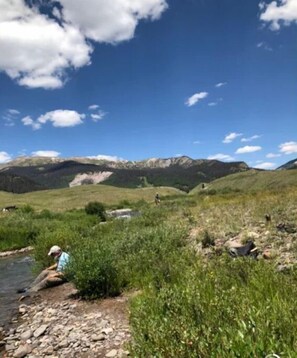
point(96, 208)
point(94, 272)
point(27, 209)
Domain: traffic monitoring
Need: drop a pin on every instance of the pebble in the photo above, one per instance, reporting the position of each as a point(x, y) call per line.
point(112, 353)
point(39, 331)
point(40, 334)
point(22, 351)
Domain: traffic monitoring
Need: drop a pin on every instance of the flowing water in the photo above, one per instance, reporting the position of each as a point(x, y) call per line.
point(15, 273)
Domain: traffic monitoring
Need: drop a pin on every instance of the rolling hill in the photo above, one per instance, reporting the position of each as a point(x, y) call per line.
point(253, 180)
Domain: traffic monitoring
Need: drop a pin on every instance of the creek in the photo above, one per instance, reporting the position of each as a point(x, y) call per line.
point(15, 273)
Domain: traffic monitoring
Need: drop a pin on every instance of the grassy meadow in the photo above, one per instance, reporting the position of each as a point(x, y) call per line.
point(78, 197)
point(193, 300)
point(253, 180)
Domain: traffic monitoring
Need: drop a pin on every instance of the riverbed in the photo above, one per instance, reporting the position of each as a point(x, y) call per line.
point(15, 273)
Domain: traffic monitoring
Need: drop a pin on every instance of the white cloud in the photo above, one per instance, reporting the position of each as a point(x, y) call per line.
point(28, 121)
point(197, 142)
point(195, 98)
point(220, 156)
point(212, 104)
point(248, 149)
point(37, 50)
point(106, 157)
point(249, 139)
point(14, 112)
point(279, 12)
point(93, 107)
point(97, 117)
point(46, 153)
point(272, 155)
point(110, 21)
point(10, 116)
point(220, 84)
point(62, 118)
point(264, 46)
point(4, 157)
point(266, 165)
point(288, 147)
point(231, 136)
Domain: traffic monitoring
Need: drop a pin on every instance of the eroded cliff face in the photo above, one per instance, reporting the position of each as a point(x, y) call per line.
point(89, 178)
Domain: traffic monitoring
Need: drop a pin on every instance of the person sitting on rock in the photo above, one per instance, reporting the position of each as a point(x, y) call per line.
point(53, 275)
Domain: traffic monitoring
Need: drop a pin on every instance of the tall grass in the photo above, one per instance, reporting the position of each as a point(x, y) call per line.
point(224, 309)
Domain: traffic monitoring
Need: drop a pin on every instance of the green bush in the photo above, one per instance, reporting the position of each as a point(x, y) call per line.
point(96, 208)
point(94, 271)
point(27, 209)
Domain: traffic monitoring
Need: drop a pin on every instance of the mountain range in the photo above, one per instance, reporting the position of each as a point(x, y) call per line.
point(26, 174)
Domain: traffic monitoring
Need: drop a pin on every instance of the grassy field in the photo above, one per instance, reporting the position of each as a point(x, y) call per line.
point(194, 300)
point(78, 197)
point(252, 180)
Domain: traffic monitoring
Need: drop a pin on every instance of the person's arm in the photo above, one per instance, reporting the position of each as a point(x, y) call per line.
point(53, 267)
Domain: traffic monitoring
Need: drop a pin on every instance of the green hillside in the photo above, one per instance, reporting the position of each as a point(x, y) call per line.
point(252, 180)
point(78, 197)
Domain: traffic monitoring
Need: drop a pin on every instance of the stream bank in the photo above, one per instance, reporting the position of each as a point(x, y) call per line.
point(56, 324)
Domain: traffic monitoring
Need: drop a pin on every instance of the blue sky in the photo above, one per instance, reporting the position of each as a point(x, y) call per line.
point(150, 78)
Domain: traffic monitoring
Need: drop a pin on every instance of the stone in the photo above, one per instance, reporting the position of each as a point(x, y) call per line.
point(63, 344)
point(112, 353)
point(99, 337)
point(22, 351)
point(40, 331)
point(107, 330)
point(9, 347)
point(26, 335)
point(49, 351)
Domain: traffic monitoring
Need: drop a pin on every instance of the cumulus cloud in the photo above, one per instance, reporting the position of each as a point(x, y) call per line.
point(195, 98)
point(266, 165)
point(231, 136)
point(250, 139)
point(273, 155)
point(110, 21)
point(36, 50)
point(220, 84)
point(62, 118)
point(248, 149)
point(279, 12)
point(46, 153)
point(110, 158)
point(4, 157)
point(220, 156)
point(288, 147)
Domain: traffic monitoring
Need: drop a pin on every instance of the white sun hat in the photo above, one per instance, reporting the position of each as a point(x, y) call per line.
point(54, 249)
